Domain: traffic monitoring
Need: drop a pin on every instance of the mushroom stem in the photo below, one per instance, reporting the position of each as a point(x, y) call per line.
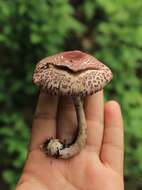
point(55, 148)
point(80, 141)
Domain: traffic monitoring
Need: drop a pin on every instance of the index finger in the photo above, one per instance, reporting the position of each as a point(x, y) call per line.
point(44, 122)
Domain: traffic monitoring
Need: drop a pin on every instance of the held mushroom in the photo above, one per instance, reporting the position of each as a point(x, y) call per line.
point(75, 74)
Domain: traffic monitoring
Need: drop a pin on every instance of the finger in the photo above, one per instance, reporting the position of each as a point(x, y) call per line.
point(94, 111)
point(44, 123)
point(67, 121)
point(112, 148)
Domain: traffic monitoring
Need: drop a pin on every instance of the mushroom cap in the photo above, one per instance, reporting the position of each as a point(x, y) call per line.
point(71, 73)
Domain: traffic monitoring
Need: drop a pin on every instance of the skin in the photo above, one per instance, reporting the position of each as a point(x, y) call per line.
point(99, 164)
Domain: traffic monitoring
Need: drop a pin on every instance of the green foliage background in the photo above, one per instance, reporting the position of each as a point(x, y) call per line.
point(30, 30)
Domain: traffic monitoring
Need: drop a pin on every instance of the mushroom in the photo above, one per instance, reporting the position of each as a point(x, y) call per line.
point(75, 74)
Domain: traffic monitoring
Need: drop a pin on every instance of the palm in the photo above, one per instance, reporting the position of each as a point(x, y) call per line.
point(92, 169)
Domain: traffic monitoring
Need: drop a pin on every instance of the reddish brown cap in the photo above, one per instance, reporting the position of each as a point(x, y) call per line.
point(71, 73)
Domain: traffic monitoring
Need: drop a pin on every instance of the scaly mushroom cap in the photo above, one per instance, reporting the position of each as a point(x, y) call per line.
point(71, 73)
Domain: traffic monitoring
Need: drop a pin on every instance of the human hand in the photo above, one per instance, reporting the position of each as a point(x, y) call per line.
point(98, 166)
